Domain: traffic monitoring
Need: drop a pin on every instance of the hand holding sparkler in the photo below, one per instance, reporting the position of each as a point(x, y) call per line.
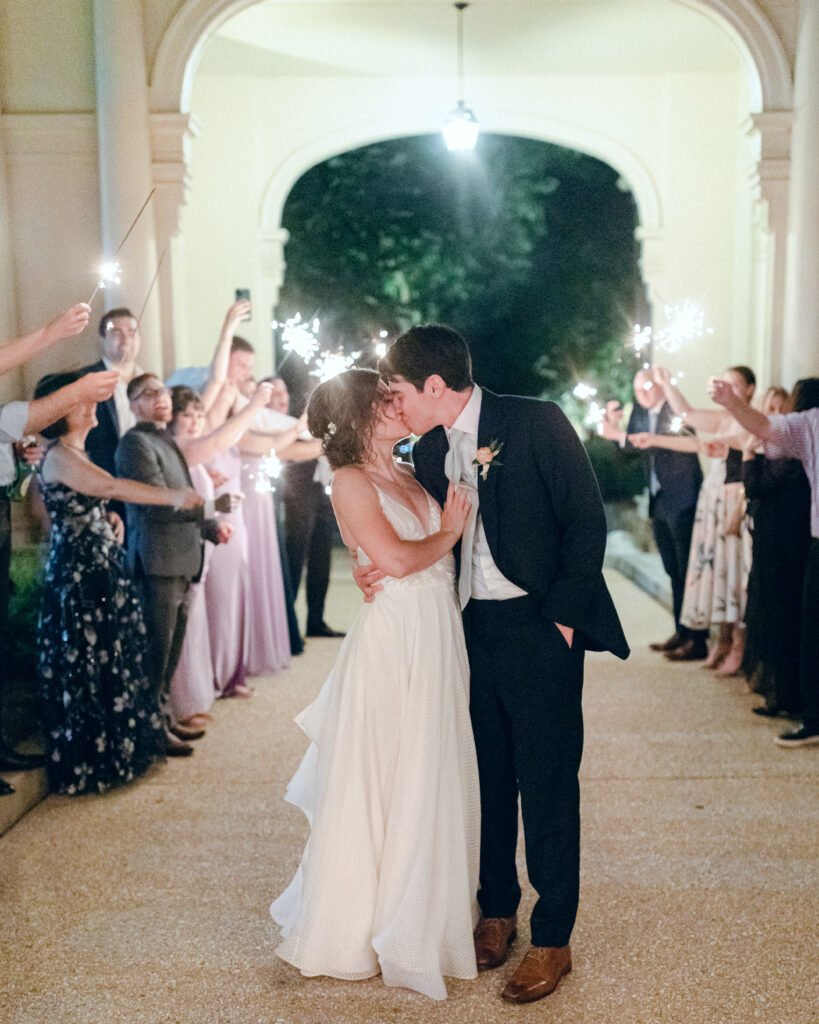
point(261, 396)
point(641, 440)
point(70, 322)
point(95, 387)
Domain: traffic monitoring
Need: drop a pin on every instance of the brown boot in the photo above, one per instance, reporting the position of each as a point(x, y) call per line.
point(493, 937)
point(538, 973)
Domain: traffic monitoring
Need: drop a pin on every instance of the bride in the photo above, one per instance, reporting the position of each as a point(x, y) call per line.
point(389, 784)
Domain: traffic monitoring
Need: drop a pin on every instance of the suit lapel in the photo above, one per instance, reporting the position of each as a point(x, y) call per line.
point(491, 428)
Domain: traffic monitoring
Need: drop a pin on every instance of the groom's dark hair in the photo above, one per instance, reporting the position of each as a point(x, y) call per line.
point(425, 350)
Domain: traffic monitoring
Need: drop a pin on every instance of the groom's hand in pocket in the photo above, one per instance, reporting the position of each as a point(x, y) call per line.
point(567, 632)
point(367, 578)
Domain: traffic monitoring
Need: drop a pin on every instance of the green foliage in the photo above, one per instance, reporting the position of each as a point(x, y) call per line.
point(619, 474)
point(527, 248)
point(24, 609)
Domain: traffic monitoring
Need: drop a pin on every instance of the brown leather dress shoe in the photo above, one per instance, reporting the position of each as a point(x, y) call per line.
point(538, 973)
point(671, 644)
point(186, 732)
point(493, 937)
point(691, 650)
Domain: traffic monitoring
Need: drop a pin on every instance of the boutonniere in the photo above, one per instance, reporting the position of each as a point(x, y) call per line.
point(485, 457)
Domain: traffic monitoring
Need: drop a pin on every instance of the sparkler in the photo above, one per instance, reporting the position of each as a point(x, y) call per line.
point(584, 391)
point(301, 337)
point(110, 271)
point(151, 286)
point(331, 364)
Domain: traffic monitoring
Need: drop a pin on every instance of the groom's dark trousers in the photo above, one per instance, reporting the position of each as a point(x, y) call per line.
point(525, 702)
point(546, 531)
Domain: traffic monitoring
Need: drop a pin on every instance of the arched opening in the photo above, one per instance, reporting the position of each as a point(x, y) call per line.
point(666, 121)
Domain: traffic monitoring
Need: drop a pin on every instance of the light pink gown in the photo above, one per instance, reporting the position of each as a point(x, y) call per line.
point(192, 687)
point(226, 588)
point(268, 639)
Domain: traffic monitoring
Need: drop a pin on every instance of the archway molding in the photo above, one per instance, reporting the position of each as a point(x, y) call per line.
point(558, 132)
point(767, 69)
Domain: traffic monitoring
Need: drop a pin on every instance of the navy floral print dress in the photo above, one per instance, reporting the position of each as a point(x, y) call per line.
point(99, 712)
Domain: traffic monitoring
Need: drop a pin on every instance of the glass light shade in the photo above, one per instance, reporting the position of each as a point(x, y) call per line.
point(461, 128)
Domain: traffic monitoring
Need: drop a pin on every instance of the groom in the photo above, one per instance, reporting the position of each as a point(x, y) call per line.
point(533, 600)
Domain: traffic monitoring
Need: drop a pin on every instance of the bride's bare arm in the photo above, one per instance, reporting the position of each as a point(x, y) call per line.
point(355, 500)
point(64, 466)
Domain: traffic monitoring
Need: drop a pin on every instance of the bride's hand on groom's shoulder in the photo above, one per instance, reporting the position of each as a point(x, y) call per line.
point(367, 578)
point(456, 511)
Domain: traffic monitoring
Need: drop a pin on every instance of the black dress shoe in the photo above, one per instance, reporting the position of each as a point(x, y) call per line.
point(186, 732)
point(5, 788)
point(688, 651)
point(671, 644)
point(12, 761)
point(324, 630)
point(173, 747)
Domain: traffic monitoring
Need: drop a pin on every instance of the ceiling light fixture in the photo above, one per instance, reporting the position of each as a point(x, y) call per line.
point(461, 127)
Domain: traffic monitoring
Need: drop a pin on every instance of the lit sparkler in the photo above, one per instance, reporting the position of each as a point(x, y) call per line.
point(110, 273)
point(331, 364)
point(685, 322)
point(676, 425)
point(300, 337)
point(584, 391)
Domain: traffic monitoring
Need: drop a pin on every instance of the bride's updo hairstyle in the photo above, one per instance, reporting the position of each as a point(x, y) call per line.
point(342, 412)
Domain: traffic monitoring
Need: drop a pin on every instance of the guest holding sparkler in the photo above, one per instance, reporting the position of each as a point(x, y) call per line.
point(794, 435)
point(100, 713)
point(779, 505)
point(718, 563)
point(675, 478)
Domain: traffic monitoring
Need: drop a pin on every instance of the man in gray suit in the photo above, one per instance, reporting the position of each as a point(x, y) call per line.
point(165, 545)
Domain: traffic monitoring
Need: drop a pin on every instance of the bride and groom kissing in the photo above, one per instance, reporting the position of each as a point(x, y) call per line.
point(449, 700)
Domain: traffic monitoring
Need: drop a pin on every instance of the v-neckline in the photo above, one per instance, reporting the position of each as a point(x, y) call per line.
point(411, 511)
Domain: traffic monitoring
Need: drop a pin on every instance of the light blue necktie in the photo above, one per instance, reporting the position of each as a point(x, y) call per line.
point(458, 469)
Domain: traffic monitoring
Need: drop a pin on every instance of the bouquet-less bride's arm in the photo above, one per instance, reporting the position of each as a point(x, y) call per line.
point(355, 500)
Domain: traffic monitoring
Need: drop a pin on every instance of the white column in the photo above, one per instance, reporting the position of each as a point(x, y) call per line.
point(10, 383)
point(770, 175)
point(126, 178)
point(801, 357)
point(171, 137)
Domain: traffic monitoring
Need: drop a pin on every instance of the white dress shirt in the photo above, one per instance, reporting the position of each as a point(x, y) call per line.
point(13, 417)
point(488, 582)
point(125, 415)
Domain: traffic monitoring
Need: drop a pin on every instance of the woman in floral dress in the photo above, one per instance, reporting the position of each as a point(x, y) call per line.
point(101, 722)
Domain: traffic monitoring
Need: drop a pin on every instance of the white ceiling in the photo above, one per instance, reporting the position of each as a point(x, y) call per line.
point(388, 38)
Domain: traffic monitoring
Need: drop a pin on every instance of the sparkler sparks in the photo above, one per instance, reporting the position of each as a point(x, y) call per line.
point(331, 364)
point(110, 273)
point(584, 391)
point(300, 337)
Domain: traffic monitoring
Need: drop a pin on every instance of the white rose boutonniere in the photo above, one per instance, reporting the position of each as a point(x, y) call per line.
point(485, 457)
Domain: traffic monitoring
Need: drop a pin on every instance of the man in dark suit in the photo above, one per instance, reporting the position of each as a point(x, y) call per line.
point(674, 485)
point(165, 545)
point(119, 333)
point(534, 599)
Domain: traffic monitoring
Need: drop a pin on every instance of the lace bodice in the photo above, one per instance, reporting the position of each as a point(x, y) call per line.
point(409, 527)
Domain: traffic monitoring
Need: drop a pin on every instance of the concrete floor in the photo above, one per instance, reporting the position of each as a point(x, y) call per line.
point(698, 897)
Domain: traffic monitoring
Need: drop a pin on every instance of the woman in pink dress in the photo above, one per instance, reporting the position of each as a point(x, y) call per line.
point(213, 658)
point(267, 632)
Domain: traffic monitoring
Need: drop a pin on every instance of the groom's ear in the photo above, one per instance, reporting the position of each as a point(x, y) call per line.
point(434, 386)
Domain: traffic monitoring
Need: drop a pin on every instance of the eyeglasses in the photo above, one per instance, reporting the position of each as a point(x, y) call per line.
point(150, 393)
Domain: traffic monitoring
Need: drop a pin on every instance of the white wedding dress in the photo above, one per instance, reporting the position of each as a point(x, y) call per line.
point(389, 784)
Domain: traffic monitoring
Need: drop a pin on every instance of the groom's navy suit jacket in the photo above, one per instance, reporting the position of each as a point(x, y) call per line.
point(542, 513)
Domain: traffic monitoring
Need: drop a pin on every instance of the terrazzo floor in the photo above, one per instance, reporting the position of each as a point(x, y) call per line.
point(699, 875)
